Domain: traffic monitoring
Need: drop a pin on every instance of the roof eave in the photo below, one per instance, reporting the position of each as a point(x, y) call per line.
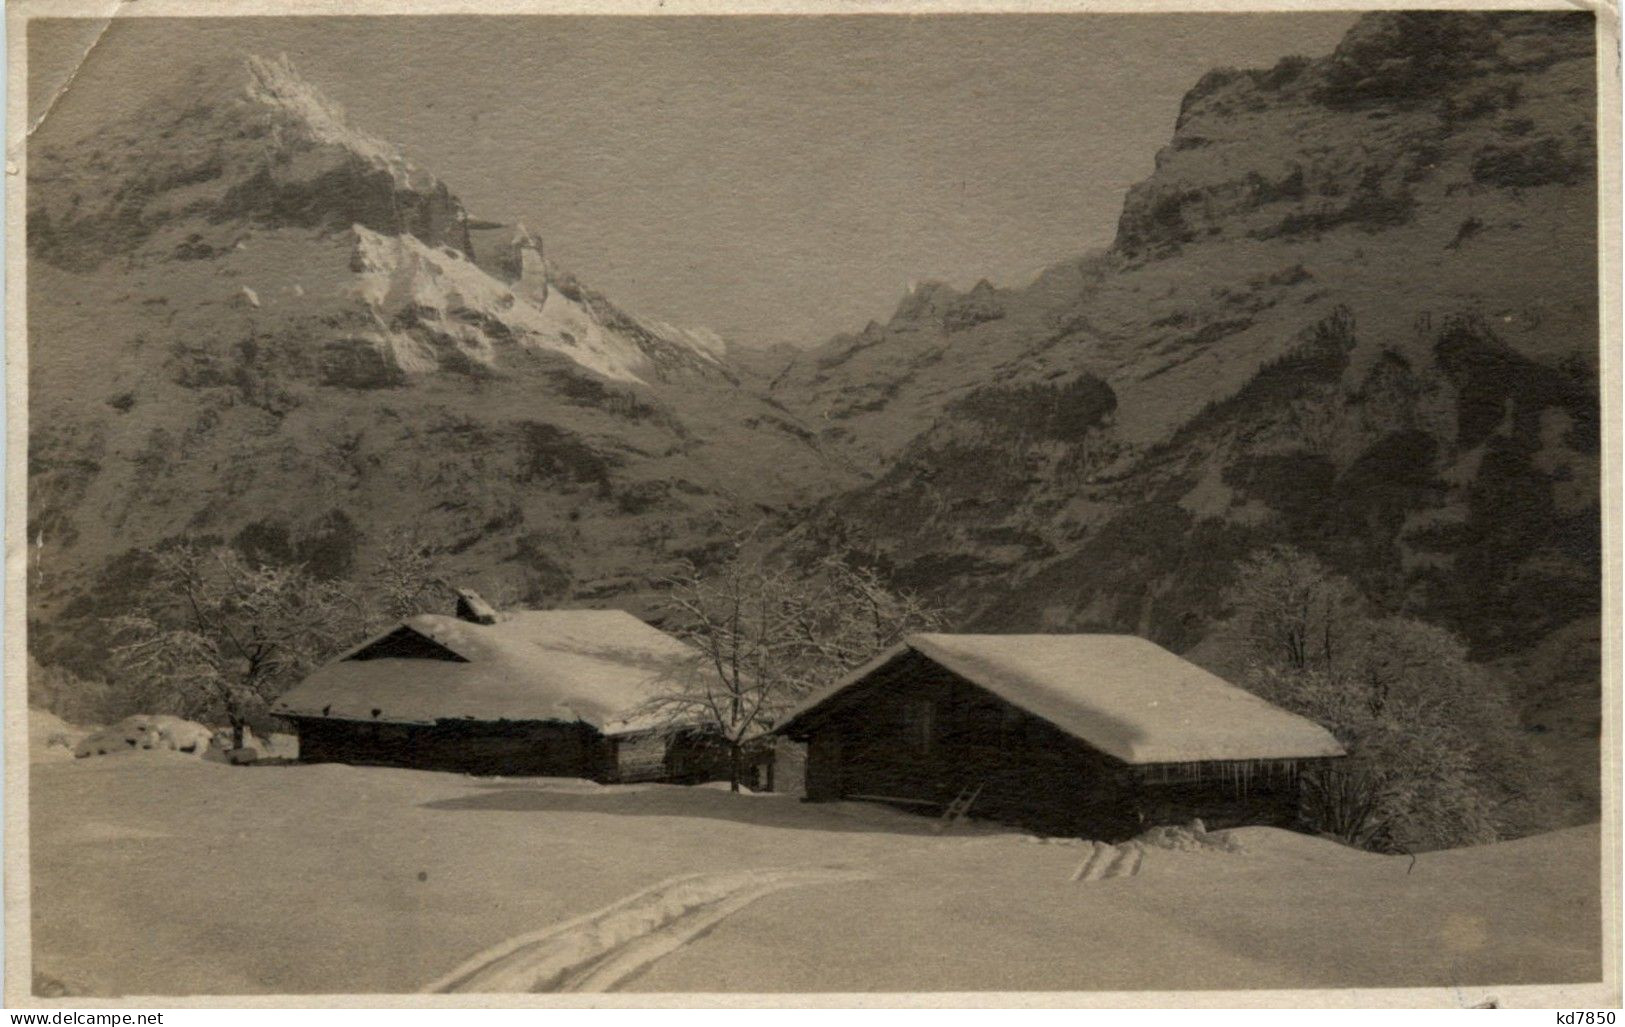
point(1171, 759)
point(303, 714)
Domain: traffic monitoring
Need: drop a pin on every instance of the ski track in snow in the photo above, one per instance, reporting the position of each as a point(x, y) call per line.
point(595, 952)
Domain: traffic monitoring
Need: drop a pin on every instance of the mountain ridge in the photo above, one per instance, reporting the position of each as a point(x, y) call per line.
point(253, 323)
point(1352, 310)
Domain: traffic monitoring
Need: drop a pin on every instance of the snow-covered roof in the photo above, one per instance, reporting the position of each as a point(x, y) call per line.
point(1126, 696)
point(596, 666)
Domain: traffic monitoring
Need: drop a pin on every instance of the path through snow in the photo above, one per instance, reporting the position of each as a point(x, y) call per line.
point(599, 950)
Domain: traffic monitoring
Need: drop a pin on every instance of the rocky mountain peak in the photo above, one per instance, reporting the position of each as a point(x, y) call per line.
point(940, 304)
point(231, 177)
point(524, 240)
point(275, 84)
point(270, 152)
point(1410, 107)
point(526, 260)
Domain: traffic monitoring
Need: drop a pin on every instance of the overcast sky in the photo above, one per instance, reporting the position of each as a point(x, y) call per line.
point(774, 179)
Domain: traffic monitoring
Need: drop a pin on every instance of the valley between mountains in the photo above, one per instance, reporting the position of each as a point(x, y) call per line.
point(1353, 310)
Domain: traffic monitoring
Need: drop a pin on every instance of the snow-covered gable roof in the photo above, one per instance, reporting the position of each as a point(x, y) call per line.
point(1126, 696)
point(595, 666)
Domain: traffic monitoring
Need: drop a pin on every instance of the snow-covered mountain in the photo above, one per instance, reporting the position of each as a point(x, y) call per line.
point(251, 320)
point(275, 155)
point(1354, 309)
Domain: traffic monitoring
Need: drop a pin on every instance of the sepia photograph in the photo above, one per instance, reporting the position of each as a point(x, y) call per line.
point(860, 501)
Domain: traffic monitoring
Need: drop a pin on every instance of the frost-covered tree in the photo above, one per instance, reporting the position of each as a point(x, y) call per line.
point(406, 577)
point(765, 635)
point(1434, 754)
point(1292, 610)
point(217, 637)
point(1411, 780)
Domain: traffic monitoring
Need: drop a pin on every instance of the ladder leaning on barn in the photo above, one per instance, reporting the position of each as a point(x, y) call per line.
point(956, 810)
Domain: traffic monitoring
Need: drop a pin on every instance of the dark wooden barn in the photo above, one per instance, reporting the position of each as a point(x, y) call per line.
point(543, 692)
point(1093, 735)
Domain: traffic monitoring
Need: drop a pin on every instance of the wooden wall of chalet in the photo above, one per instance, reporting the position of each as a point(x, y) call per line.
point(914, 730)
point(527, 748)
point(641, 757)
point(531, 748)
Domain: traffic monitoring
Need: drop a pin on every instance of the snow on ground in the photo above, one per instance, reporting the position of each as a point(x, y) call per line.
point(176, 734)
point(597, 951)
point(50, 738)
point(154, 874)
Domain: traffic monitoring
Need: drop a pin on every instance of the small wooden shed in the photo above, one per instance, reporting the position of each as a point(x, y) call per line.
point(1092, 735)
point(537, 692)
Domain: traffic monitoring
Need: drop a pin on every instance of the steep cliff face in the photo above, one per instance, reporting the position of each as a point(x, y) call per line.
point(1353, 309)
point(254, 146)
point(251, 322)
point(1464, 183)
point(1413, 117)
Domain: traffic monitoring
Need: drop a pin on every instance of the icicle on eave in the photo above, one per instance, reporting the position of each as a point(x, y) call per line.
point(1239, 775)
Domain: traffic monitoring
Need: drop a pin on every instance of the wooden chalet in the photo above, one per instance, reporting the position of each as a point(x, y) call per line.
point(542, 692)
point(1091, 735)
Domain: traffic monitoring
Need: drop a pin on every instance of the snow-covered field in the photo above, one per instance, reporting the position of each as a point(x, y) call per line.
point(159, 873)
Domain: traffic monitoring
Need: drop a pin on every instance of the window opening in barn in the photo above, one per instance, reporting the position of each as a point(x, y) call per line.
point(918, 717)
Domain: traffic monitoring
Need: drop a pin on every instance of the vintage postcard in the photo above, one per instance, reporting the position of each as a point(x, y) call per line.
point(763, 504)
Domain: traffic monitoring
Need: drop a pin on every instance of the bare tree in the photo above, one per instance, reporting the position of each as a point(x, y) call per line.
point(218, 638)
point(765, 636)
